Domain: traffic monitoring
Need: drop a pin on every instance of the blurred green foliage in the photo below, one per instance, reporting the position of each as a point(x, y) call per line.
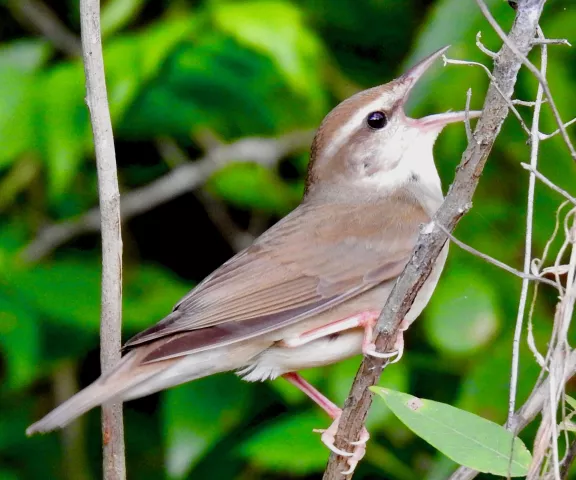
point(176, 69)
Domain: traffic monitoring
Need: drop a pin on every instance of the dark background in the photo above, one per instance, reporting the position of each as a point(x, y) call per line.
point(188, 73)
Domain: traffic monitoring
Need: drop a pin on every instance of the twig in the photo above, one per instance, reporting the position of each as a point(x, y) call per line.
point(467, 116)
point(48, 24)
point(184, 178)
point(526, 413)
point(546, 136)
point(536, 267)
point(549, 183)
point(530, 66)
point(497, 263)
point(431, 240)
point(534, 148)
point(568, 460)
point(546, 443)
point(491, 77)
point(525, 103)
point(114, 467)
point(482, 47)
point(552, 41)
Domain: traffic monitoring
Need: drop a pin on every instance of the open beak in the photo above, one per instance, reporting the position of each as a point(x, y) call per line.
point(439, 120)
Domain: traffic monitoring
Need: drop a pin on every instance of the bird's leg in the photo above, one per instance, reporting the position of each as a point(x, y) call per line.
point(366, 320)
point(328, 435)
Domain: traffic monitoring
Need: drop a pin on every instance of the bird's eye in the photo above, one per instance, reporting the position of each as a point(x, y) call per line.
point(377, 120)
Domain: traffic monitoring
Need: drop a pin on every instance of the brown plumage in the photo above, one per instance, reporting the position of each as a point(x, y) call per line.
point(307, 292)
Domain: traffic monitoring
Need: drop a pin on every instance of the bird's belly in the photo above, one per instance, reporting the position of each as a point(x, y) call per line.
point(277, 360)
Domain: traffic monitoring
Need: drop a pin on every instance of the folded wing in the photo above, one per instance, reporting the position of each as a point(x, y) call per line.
point(315, 258)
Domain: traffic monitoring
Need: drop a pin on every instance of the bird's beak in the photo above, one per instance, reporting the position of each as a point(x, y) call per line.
point(437, 121)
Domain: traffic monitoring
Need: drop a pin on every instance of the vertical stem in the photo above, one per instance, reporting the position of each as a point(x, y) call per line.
point(534, 148)
point(111, 313)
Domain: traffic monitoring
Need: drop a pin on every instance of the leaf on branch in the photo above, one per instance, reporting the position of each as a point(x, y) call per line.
point(570, 401)
point(466, 438)
point(567, 425)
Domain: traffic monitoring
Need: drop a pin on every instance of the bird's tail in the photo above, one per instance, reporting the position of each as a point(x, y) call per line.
point(134, 378)
point(111, 387)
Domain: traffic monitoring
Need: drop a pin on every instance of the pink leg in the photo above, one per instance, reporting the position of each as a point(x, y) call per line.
point(366, 320)
point(334, 412)
point(324, 403)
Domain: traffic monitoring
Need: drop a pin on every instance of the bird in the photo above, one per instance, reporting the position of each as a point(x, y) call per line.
point(309, 290)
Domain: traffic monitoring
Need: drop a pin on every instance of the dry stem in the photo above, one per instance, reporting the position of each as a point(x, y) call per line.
point(114, 467)
point(184, 178)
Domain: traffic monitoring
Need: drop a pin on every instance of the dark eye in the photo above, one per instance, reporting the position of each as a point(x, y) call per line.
point(376, 120)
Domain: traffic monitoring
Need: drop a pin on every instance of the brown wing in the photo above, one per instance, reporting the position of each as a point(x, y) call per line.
point(315, 258)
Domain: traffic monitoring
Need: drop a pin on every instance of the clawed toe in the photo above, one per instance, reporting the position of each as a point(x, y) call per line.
point(352, 458)
point(371, 350)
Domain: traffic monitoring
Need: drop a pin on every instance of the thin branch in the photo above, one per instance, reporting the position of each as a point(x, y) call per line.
point(534, 148)
point(497, 263)
point(431, 240)
point(525, 103)
point(552, 41)
point(491, 77)
point(467, 116)
point(536, 267)
point(549, 183)
point(546, 136)
point(530, 66)
point(482, 47)
point(182, 179)
point(114, 467)
point(568, 460)
point(45, 21)
point(546, 443)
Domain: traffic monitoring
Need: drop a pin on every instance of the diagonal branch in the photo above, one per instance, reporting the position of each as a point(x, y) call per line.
point(432, 239)
point(515, 48)
point(114, 467)
point(44, 20)
point(182, 179)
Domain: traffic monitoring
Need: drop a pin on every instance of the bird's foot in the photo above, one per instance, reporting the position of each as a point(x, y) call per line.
point(353, 457)
point(369, 347)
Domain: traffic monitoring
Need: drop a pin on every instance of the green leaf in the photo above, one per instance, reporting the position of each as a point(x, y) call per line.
point(118, 13)
point(463, 314)
point(19, 343)
point(68, 292)
point(276, 29)
point(198, 414)
point(570, 401)
point(253, 186)
point(65, 129)
point(26, 55)
point(466, 438)
point(150, 293)
point(302, 455)
point(134, 60)
point(19, 62)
